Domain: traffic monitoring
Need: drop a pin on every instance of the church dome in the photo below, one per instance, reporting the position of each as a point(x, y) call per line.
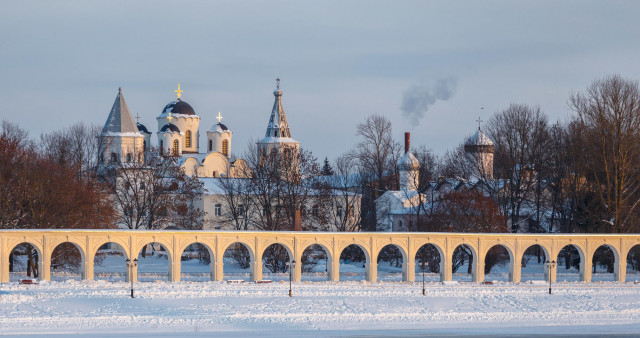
point(479, 143)
point(177, 108)
point(408, 161)
point(142, 128)
point(219, 127)
point(170, 127)
point(479, 139)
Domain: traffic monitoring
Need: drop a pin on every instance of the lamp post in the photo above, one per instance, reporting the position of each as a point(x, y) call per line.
point(291, 267)
point(131, 264)
point(550, 265)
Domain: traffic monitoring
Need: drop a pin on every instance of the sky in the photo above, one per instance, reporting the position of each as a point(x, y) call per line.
point(430, 67)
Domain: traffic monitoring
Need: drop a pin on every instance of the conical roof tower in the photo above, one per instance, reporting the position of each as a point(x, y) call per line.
point(121, 141)
point(120, 121)
point(278, 128)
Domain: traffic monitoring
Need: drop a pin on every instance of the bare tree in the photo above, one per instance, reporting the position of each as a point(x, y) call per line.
point(344, 198)
point(520, 134)
point(377, 154)
point(283, 183)
point(609, 115)
point(154, 194)
point(236, 194)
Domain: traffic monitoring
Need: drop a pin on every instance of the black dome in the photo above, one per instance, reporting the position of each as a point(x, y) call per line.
point(222, 126)
point(179, 107)
point(142, 128)
point(170, 127)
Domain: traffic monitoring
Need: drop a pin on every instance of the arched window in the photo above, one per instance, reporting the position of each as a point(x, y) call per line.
point(161, 147)
point(287, 156)
point(225, 147)
point(114, 157)
point(175, 147)
point(210, 145)
point(144, 145)
point(129, 157)
point(187, 139)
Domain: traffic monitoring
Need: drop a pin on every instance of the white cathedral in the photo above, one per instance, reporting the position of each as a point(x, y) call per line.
point(125, 141)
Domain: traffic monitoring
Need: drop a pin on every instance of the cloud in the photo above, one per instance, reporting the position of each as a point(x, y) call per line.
point(419, 97)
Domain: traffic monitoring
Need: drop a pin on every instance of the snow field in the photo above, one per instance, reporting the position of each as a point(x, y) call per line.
point(352, 306)
point(344, 307)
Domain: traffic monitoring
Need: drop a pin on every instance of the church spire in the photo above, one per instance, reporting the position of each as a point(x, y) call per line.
point(278, 125)
point(120, 119)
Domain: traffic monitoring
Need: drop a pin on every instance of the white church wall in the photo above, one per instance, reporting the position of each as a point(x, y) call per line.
point(214, 165)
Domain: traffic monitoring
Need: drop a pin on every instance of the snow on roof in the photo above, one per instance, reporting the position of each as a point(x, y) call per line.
point(341, 181)
point(272, 139)
point(213, 186)
point(115, 134)
point(220, 128)
point(479, 139)
point(120, 119)
point(408, 161)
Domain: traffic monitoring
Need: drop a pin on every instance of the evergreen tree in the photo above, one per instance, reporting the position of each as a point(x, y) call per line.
point(327, 170)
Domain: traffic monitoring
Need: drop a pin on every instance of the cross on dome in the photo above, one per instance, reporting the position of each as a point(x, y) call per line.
point(278, 83)
point(479, 121)
point(137, 117)
point(219, 117)
point(178, 92)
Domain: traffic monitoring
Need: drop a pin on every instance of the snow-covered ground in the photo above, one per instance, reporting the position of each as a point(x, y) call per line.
point(318, 308)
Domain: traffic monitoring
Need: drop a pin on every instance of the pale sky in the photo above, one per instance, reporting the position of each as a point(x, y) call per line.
point(62, 62)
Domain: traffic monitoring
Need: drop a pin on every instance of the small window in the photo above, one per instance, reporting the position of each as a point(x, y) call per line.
point(210, 145)
point(144, 145)
point(241, 210)
point(187, 139)
point(218, 209)
point(114, 157)
point(161, 147)
point(339, 212)
point(129, 157)
point(225, 147)
point(175, 147)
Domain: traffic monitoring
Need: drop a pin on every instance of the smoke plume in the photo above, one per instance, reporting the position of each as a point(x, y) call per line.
point(419, 97)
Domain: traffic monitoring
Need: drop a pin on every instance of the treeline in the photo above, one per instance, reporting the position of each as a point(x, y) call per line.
point(577, 175)
point(49, 183)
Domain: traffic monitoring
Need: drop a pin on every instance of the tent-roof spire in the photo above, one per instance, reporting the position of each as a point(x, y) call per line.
point(120, 119)
point(278, 125)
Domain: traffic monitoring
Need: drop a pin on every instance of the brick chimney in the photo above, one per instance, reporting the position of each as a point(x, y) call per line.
point(407, 142)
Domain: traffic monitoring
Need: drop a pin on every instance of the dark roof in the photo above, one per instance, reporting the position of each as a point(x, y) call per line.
point(222, 126)
point(179, 107)
point(142, 128)
point(170, 127)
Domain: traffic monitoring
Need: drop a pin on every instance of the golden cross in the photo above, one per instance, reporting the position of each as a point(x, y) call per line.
point(170, 117)
point(219, 117)
point(178, 91)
